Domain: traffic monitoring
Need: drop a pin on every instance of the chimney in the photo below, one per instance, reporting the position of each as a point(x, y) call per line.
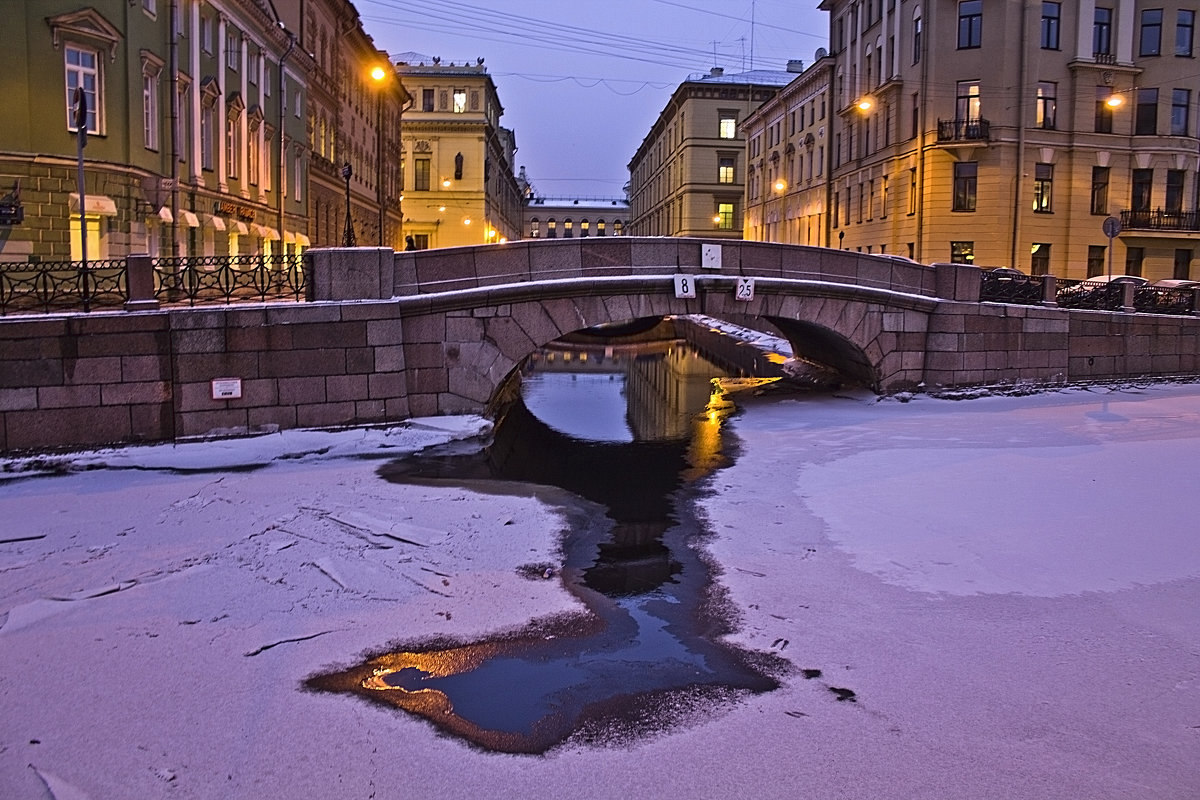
point(795, 65)
point(717, 72)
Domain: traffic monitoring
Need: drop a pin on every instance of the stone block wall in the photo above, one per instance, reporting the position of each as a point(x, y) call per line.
point(107, 378)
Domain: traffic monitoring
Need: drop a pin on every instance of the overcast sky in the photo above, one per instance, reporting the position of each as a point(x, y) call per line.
point(582, 81)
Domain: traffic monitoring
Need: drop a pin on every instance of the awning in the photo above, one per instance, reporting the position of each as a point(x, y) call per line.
point(289, 237)
point(270, 233)
point(261, 230)
point(164, 214)
point(240, 227)
point(96, 204)
point(215, 222)
point(302, 240)
point(190, 218)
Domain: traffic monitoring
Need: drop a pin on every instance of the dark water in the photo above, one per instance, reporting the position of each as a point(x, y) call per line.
point(627, 470)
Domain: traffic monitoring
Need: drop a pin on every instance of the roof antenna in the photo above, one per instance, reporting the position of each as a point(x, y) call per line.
point(753, 5)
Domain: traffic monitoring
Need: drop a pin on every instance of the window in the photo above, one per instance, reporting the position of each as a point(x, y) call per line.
point(460, 101)
point(535, 228)
point(1095, 260)
point(912, 191)
point(298, 176)
point(233, 49)
point(962, 252)
point(1143, 180)
point(967, 106)
point(150, 109)
point(600, 229)
point(1100, 177)
point(1181, 101)
point(1174, 200)
point(1185, 29)
point(725, 169)
point(584, 228)
point(83, 71)
point(568, 229)
point(233, 145)
point(725, 216)
point(150, 7)
point(208, 112)
point(1145, 121)
point(970, 24)
point(1134, 256)
point(252, 68)
point(1183, 264)
point(1039, 259)
point(1151, 38)
point(427, 99)
point(421, 174)
point(551, 228)
point(1102, 32)
point(916, 40)
point(1051, 16)
point(1047, 104)
point(297, 103)
point(94, 237)
point(206, 33)
point(1043, 186)
point(727, 126)
point(916, 115)
point(966, 176)
point(1104, 112)
point(254, 152)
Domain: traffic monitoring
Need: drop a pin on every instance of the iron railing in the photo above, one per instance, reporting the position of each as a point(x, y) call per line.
point(56, 286)
point(995, 287)
point(1160, 220)
point(1162, 300)
point(51, 286)
point(964, 130)
point(206, 280)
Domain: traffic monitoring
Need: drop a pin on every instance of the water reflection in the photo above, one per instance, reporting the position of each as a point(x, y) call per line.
point(648, 648)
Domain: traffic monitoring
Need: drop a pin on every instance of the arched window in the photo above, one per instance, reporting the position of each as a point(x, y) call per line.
point(568, 226)
point(535, 228)
point(583, 227)
point(551, 228)
point(600, 227)
point(618, 228)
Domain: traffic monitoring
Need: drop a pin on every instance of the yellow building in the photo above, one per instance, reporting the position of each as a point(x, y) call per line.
point(457, 160)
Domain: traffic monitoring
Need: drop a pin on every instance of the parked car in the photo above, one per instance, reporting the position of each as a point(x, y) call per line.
point(1009, 285)
point(1103, 292)
point(1169, 296)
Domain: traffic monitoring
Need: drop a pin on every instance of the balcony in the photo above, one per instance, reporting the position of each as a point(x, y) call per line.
point(1160, 220)
point(963, 130)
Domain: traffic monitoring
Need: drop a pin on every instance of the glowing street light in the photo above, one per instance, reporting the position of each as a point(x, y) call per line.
point(864, 104)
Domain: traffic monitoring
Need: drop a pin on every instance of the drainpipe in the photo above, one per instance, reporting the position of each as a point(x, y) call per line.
point(282, 132)
point(922, 127)
point(173, 66)
point(1022, 118)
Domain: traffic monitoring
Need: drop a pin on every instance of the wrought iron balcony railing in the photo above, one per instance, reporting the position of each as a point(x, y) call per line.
point(963, 130)
point(1160, 220)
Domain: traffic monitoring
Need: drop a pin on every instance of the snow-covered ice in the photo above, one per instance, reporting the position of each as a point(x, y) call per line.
point(1008, 585)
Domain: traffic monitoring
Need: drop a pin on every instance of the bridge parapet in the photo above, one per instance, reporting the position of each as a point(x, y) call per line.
point(342, 274)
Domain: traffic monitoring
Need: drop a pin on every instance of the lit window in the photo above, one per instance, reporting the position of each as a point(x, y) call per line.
point(968, 105)
point(1039, 259)
point(1046, 104)
point(727, 127)
point(725, 216)
point(725, 170)
point(962, 252)
point(1043, 185)
point(83, 71)
point(460, 101)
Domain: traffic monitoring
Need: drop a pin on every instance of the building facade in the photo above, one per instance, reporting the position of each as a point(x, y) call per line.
point(182, 151)
point(457, 160)
point(688, 176)
point(352, 128)
point(1005, 134)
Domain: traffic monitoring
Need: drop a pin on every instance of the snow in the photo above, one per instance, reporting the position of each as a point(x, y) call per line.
point(1007, 584)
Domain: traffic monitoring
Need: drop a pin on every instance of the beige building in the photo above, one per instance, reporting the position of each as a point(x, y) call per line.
point(787, 156)
point(352, 119)
point(688, 176)
point(1006, 133)
point(458, 181)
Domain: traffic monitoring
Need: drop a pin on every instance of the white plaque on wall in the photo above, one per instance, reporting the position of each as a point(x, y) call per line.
point(710, 256)
point(227, 389)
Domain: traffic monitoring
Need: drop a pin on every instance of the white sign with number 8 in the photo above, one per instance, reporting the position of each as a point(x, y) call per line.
point(685, 286)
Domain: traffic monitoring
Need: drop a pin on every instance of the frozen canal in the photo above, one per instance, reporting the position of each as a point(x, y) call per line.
point(1007, 584)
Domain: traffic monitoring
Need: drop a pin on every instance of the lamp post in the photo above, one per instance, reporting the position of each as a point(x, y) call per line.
point(379, 74)
point(348, 234)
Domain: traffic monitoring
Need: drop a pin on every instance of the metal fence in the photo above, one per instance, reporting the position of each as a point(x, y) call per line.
point(57, 286)
point(997, 287)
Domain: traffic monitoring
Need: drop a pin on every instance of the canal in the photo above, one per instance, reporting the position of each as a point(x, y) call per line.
point(623, 434)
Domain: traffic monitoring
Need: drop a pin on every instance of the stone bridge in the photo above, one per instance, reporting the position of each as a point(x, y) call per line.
point(392, 335)
point(471, 315)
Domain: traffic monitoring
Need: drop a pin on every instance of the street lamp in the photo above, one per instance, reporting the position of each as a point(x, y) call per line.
point(348, 234)
point(378, 73)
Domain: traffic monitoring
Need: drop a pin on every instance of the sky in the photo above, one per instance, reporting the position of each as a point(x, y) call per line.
point(1007, 584)
point(582, 82)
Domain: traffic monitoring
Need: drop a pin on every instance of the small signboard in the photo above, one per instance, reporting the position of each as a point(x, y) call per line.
point(744, 290)
point(227, 389)
point(710, 256)
point(685, 286)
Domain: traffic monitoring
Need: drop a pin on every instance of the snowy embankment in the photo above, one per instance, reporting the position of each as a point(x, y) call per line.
point(1007, 584)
